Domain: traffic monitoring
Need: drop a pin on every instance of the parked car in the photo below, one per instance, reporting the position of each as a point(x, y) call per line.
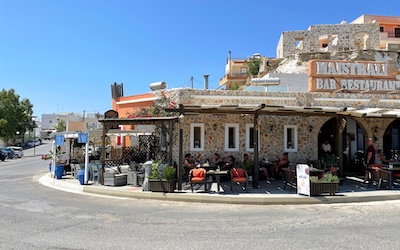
point(10, 153)
point(33, 143)
point(19, 152)
point(2, 155)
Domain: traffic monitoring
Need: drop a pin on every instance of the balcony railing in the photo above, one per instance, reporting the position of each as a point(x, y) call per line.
point(389, 35)
point(234, 76)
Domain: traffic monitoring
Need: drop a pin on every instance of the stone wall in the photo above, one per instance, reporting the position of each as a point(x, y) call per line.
point(271, 141)
point(350, 37)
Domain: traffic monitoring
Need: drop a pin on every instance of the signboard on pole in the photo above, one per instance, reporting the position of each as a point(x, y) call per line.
point(303, 179)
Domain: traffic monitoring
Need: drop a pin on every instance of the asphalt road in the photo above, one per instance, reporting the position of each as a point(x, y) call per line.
point(33, 216)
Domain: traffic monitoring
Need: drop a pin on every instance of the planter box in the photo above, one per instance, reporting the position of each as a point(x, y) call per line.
point(112, 179)
point(135, 178)
point(318, 188)
point(162, 186)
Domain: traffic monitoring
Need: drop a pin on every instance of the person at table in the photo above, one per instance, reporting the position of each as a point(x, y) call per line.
point(380, 158)
point(281, 163)
point(230, 163)
point(247, 164)
point(369, 159)
point(188, 164)
point(217, 160)
point(265, 171)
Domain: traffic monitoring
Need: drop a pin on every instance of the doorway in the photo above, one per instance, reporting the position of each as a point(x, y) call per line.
point(353, 143)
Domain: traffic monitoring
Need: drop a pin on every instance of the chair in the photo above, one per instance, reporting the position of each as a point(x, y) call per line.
point(74, 171)
point(333, 171)
point(375, 176)
point(239, 175)
point(95, 173)
point(289, 178)
point(198, 176)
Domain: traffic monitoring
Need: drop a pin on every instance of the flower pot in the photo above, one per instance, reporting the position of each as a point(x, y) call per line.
point(81, 176)
point(318, 188)
point(166, 186)
point(59, 171)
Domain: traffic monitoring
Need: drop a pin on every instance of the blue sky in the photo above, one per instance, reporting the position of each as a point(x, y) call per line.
point(63, 55)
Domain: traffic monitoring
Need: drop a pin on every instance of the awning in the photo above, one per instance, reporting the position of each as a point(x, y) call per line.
point(263, 109)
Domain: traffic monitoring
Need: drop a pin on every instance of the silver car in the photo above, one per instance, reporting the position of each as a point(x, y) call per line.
point(19, 152)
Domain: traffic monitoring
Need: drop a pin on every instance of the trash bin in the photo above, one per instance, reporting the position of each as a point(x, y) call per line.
point(81, 176)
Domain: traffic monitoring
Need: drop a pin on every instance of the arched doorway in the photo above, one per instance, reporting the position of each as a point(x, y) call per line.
point(353, 143)
point(391, 140)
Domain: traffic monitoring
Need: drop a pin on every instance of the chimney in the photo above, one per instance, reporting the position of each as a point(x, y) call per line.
point(206, 81)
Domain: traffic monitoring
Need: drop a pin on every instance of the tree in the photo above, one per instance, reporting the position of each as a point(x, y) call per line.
point(61, 127)
point(254, 65)
point(15, 115)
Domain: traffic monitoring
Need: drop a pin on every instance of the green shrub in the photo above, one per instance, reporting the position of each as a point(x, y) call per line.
point(155, 170)
point(169, 173)
point(327, 177)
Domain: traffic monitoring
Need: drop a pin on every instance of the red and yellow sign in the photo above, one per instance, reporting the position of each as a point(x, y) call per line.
point(351, 76)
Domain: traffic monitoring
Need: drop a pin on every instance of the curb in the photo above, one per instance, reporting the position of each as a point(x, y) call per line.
point(243, 199)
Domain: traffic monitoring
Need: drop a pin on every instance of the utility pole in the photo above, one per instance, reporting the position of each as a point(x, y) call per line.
point(83, 116)
point(191, 79)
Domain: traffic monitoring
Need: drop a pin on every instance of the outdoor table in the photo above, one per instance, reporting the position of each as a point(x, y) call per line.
point(267, 165)
point(218, 175)
point(315, 171)
point(209, 167)
point(390, 172)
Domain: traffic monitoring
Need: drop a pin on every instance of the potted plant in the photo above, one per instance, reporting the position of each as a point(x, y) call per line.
point(330, 160)
point(59, 162)
point(328, 183)
point(162, 181)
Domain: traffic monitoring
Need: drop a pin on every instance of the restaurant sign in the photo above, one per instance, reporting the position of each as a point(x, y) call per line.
point(351, 76)
point(303, 179)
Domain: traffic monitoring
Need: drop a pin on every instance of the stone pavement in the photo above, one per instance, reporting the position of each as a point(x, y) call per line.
point(350, 191)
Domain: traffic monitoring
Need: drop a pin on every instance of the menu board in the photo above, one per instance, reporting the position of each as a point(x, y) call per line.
point(303, 179)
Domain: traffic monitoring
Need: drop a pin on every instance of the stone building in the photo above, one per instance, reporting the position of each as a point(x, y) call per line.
point(332, 82)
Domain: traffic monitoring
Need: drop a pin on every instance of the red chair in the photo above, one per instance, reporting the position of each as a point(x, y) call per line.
point(239, 175)
point(198, 176)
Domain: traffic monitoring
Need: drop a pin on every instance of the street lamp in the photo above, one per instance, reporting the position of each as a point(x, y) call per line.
point(17, 133)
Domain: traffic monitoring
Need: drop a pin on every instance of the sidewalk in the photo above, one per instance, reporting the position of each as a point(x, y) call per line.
point(267, 194)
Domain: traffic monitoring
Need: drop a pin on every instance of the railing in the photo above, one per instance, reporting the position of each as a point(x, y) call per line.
point(390, 35)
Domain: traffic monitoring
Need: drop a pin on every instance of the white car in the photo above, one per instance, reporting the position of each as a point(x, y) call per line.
point(19, 152)
point(33, 143)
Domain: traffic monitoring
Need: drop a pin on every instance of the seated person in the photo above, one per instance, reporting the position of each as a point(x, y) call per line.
point(281, 163)
point(217, 160)
point(380, 158)
point(188, 164)
point(265, 171)
point(230, 163)
point(247, 164)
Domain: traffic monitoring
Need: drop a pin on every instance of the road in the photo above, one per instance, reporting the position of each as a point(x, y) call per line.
point(33, 216)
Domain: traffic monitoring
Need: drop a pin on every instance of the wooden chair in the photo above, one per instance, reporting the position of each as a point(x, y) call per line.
point(375, 176)
point(289, 178)
point(198, 176)
point(239, 175)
